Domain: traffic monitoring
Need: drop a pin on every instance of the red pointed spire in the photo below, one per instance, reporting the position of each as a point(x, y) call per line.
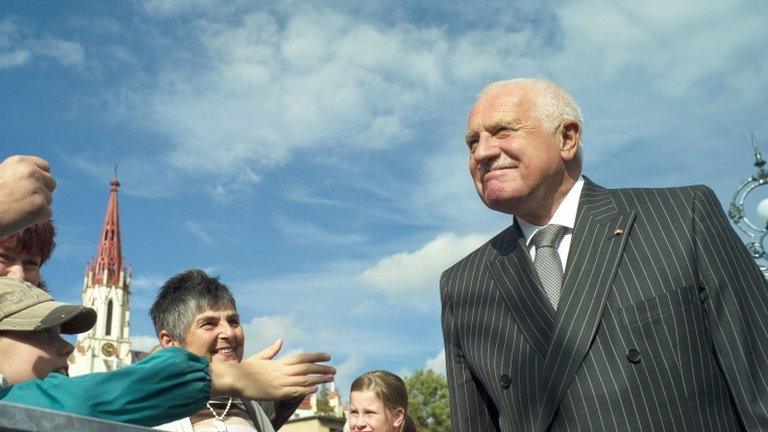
point(108, 265)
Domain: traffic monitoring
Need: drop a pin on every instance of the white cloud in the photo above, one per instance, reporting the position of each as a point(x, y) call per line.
point(365, 307)
point(12, 53)
point(305, 232)
point(300, 194)
point(67, 53)
point(417, 273)
point(18, 48)
point(297, 78)
point(175, 8)
point(233, 186)
point(480, 56)
point(252, 91)
point(385, 131)
point(347, 371)
point(143, 342)
point(315, 80)
point(147, 283)
point(200, 232)
point(320, 289)
point(320, 80)
point(101, 25)
point(318, 312)
point(262, 331)
point(146, 179)
point(445, 195)
point(679, 45)
point(437, 363)
point(14, 58)
point(10, 32)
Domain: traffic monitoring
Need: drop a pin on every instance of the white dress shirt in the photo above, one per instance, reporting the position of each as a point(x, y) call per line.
point(565, 215)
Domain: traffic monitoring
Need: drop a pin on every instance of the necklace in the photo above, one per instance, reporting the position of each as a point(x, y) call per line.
point(218, 420)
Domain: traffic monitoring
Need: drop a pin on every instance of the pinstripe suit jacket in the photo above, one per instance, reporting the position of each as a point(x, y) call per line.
point(662, 324)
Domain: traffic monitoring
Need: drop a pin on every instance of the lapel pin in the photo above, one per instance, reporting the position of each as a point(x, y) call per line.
point(618, 232)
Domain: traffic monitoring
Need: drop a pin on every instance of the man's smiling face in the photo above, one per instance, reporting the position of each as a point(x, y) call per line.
point(514, 161)
point(216, 335)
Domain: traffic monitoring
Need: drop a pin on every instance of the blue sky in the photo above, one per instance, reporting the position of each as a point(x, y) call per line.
point(311, 153)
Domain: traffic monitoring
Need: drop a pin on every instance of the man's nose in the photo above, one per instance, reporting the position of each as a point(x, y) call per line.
point(65, 348)
point(486, 148)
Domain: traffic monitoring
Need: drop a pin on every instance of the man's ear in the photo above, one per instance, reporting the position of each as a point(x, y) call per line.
point(570, 136)
point(166, 340)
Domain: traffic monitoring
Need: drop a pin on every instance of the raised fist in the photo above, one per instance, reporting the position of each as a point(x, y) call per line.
point(26, 188)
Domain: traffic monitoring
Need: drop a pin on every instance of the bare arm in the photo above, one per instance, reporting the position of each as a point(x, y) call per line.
point(261, 379)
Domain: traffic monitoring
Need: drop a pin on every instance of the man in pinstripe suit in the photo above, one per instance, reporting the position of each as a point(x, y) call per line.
point(661, 322)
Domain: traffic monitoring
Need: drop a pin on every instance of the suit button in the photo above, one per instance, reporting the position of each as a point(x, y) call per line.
point(633, 356)
point(704, 303)
point(505, 381)
point(703, 295)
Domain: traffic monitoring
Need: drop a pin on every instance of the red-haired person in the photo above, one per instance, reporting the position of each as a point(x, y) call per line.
point(23, 253)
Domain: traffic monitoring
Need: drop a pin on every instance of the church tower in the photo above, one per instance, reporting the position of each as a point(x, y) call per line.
point(106, 346)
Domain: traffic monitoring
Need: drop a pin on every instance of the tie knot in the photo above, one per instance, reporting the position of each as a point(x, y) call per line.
point(548, 236)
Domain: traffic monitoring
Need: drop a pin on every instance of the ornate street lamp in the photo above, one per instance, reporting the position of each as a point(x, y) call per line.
point(755, 233)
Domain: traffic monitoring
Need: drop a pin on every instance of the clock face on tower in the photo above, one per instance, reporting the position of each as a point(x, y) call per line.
point(108, 349)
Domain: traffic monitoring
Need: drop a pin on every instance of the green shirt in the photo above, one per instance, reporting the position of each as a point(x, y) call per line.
point(168, 385)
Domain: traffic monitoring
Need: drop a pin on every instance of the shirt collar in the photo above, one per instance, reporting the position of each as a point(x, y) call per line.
point(565, 214)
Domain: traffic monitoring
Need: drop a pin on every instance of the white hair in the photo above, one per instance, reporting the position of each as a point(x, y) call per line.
point(553, 104)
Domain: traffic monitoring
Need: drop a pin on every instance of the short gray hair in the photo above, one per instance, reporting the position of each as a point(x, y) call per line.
point(184, 296)
point(553, 105)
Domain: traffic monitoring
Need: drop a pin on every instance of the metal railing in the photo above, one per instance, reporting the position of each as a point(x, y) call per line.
point(28, 419)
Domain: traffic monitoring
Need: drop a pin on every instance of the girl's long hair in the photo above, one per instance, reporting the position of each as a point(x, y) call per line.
point(391, 391)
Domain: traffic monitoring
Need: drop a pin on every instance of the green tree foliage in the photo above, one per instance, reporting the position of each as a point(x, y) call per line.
point(428, 401)
point(323, 404)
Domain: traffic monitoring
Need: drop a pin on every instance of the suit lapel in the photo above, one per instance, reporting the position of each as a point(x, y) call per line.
point(599, 237)
point(516, 279)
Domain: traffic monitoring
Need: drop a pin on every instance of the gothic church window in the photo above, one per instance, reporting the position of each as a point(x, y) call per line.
point(108, 330)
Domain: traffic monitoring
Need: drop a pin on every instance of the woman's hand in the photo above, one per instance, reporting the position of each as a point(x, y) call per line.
point(259, 377)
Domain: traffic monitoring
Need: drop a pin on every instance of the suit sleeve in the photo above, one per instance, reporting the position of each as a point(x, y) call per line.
point(735, 298)
point(471, 408)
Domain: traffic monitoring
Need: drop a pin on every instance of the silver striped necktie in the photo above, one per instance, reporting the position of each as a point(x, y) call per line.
point(547, 260)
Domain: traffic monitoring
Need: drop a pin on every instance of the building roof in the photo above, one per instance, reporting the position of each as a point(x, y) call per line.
point(109, 256)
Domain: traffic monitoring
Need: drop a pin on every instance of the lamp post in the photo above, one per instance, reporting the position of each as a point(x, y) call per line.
point(756, 233)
